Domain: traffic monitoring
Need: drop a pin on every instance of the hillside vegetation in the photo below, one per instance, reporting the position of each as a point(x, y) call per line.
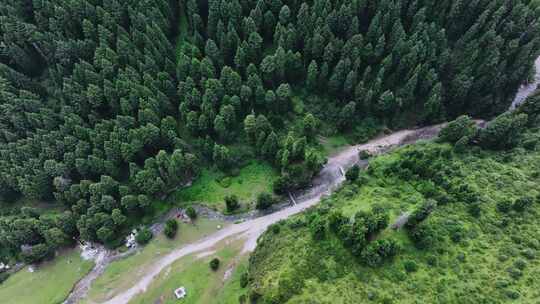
point(101, 113)
point(471, 234)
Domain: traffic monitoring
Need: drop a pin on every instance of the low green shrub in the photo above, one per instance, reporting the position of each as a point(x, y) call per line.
point(244, 280)
point(502, 257)
point(171, 227)
point(421, 213)
point(143, 236)
point(512, 294)
point(523, 203)
point(3, 277)
point(297, 223)
point(514, 273)
point(387, 300)
point(318, 227)
point(231, 203)
point(364, 154)
point(463, 126)
point(474, 209)
point(264, 201)
point(423, 236)
point(503, 132)
point(379, 251)
point(529, 253)
point(504, 206)
point(431, 260)
point(242, 299)
point(520, 264)
point(214, 264)
point(275, 228)
point(352, 173)
point(191, 213)
point(456, 231)
point(225, 182)
point(410, 266)
point(500, 284)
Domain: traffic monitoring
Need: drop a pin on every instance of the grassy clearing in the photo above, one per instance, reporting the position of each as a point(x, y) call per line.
point(212, 187)
point(50, 283)
point(122, 274)
point(493, 258)
point(203, 285)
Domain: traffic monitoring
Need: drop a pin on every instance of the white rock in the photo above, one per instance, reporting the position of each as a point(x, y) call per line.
point(180, 293)
point(88, 252)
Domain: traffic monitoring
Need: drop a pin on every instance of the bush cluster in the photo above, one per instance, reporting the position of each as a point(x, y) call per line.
point(214, 264)
point(264, 201)
point(231, 203)
point(143, 236)
point(171, 227)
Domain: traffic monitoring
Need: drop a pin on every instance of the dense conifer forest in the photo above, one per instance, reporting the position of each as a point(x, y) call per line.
point(107, 105)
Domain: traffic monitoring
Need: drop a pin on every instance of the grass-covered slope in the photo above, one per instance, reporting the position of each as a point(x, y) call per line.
point(51, 282)
point(481, 247)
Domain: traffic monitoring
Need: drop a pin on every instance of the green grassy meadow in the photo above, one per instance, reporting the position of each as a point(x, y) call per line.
point(203, 286)
point(51, 282)
point(212, 186)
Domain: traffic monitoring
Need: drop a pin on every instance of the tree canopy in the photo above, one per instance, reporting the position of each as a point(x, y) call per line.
point(99, 112)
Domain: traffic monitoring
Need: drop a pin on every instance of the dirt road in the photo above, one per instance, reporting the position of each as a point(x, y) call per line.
point(328, 179)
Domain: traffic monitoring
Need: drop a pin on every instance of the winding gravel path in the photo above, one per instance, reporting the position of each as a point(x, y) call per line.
point(327, 180)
